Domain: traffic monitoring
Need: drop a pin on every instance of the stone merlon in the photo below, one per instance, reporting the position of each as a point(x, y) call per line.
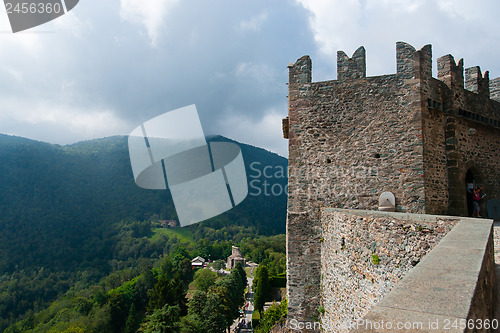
point(351, 68)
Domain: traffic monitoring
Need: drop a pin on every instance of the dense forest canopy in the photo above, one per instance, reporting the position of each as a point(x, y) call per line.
point(72, 215)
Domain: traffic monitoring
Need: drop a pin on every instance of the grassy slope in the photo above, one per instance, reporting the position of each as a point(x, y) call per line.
point(183, 234)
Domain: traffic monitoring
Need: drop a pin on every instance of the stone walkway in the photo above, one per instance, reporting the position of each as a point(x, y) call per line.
point(496, 238)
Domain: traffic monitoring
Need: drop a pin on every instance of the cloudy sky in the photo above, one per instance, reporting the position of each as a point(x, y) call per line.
point(107, 66)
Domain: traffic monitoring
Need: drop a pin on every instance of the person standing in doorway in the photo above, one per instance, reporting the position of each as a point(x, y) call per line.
point(476, 197)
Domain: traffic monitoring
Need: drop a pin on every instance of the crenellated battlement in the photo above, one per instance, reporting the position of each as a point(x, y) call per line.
point(404, 58)
point(300, 71)
point(351, 68)
point(476, 82)
point(495, 89)
point(412, 63)
point(451, 72)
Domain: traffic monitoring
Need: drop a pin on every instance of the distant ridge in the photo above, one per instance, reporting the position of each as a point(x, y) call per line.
point(63, 194)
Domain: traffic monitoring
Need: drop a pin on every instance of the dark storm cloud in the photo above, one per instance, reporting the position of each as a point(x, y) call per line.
point(104, 68)
point(122, 66)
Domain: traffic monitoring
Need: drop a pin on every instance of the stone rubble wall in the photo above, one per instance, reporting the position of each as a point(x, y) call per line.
point(453, 288)
point(365, 254)
point(477, 147)
point(461, 130)
point(356, 140)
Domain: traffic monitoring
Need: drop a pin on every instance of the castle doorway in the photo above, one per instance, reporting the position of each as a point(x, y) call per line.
point(469, 186)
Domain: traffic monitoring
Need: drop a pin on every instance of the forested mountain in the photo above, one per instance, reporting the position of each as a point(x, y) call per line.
point(64, 209)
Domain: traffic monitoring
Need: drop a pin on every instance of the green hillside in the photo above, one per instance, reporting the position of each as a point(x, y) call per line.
point(185, 235)
point(73, 213)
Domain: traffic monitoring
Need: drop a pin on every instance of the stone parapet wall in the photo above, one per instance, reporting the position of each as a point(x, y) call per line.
point(451, 290)
point(364, 254)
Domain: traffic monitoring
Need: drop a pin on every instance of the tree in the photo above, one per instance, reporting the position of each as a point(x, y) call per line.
point(83, 305)
point(275, 314)
point(261, 287)
point(197, 303)
point(213, 314)
point(276, 263)
point(192, 324)
point(119, 307)
point(231, 291)
point(240, 275)
point(206, 313)
point(101, 320)
point(218, 307)
point(75, 328)
point(204, 279)
point(219, 264)
point(131, 324)
point(184, 271)
point(145, 282)
point(168, 292)
point(164, 320)
point(180, 253)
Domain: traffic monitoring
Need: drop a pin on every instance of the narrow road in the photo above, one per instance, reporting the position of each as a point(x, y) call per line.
point(249, 309)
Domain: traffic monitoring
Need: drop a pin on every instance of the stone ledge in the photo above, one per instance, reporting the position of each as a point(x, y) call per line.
point(454, 282)
point(396, 215)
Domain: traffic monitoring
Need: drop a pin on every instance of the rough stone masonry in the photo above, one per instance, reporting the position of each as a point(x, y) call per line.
point(353, 138)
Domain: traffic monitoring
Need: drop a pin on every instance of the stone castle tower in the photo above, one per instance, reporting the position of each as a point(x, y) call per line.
point(353, 138)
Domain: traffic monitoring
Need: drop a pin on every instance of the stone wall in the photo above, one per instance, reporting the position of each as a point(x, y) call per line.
point(479, 150)
point(349, 141)
point(461, 128)
point(353, 138)
point(495, 89)
point(435, 161)
point(364, 254)
point(451, 290)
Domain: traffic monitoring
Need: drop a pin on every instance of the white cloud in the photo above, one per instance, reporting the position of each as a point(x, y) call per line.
point(28, 44)
point(72, 24)
point(480, 10)
point(395, 5)
point(92, 75)
point(79, 122)
point(466, 29)
point(254, 23)
point(332, 20)
point(149, 13)
point(258, 72)
point(15, 74)
point(263, 132)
